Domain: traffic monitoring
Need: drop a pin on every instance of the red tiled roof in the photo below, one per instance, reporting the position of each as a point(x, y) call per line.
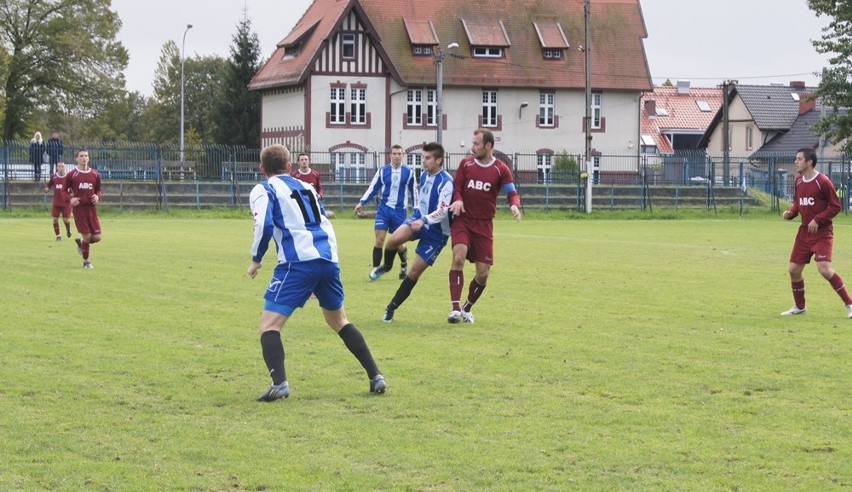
point(683, 112)
point(551, 35)
point(618, 60)
point(421, 32)
point(486, 32)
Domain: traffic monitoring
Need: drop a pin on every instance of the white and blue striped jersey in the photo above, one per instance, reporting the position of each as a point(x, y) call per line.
point(394, 186)
point(436, 194)
point(289, 212)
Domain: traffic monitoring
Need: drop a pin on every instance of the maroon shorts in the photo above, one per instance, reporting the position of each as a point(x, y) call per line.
point(64, 211)
point(86, 219)
point(818, 245)
point(477, 235)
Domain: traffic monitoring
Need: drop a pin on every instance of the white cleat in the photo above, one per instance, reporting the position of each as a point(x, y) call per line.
point(454, 317)
point(794, 310)
point(849, 310)
point(467, 317)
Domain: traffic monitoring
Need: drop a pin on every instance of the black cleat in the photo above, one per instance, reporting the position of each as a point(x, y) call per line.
point(378, 385)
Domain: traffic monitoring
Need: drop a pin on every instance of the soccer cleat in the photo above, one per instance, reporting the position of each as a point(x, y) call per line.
point(88, 265)
point(467, 317)
point(58, 238)
point(795, 310)
point(79, 246)
point(377, 272)
point(388, 317)
point(68, 232)
point(378, 385)
point(454, 317)
point(403, 272)
point(849, 310)
point(275, 392)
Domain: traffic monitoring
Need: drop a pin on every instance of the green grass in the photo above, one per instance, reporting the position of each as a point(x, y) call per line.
point(606, 354)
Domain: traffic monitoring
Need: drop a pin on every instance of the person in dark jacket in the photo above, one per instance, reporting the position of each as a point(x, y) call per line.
point(37, 148)
point(54, 150)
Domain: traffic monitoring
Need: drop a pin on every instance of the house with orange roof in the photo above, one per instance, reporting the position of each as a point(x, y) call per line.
point(675, 117)
point(354, 77)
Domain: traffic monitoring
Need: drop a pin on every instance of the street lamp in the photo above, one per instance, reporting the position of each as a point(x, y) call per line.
point(182, 46)
point(440, 95)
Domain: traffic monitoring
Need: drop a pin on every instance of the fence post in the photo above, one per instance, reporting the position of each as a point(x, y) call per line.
point(7, 202)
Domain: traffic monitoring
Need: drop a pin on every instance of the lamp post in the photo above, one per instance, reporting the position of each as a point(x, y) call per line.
point(440, 92)
point(182, 46)
point(588, 130)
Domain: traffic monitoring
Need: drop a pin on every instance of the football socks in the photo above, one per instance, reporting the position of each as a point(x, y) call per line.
point(456, 281)
point(356, 344)
point(377, 256)
point(273, 355)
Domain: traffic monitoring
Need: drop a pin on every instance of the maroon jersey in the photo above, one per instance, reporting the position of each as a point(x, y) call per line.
point(478, 186)
point(312, 177)
point(84, 185)
point(815, 199)
point(61, 198)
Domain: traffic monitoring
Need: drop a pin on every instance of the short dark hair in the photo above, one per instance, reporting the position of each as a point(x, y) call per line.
point(487, 136)
point(396, 146)
point(809, 154)
point(436, 149)
point(275, 159)
point(303, 154)
point(81, 149)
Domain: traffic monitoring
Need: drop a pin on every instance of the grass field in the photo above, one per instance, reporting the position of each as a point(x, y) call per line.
point(606, 355)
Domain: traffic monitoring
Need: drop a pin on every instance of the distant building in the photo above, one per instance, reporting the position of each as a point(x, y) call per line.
point(676, 117)
point(356, 76)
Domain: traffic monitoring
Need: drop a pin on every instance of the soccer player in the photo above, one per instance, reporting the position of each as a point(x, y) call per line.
point(479, 179)
point(815, 199)
point(84, 185)
point(395, 185)
point(61, 200)
point(308, 175)
point(288, 212)
point(430, 224)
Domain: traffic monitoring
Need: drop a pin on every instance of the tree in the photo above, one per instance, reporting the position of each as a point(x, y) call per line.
point(238, 111)
point(203, 78)
point(835, 87)
point(668, 83)
point(62, 56)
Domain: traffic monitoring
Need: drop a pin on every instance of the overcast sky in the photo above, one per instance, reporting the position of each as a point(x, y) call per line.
point(753, 41)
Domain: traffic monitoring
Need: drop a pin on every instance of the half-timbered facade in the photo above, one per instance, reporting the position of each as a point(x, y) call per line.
point(356, 76)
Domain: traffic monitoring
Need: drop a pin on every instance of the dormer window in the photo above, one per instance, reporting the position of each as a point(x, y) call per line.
point(553, 54)
point(487, 52)
point(421, 50)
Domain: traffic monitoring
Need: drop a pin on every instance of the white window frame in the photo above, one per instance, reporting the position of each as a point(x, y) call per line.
point(358, 163)
point(489, 108)
point(431, 107)
point(546, 109)
point(358, 105)
point(553, 54)
point(487, 52)
point(414, 160)
point(415, 106)
point(338, 106)
point(544, 165)
point(597, 118)
point(347, 42)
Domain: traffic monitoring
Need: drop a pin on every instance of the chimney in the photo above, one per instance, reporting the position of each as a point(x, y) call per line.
point(683, 87)
point(806, 103)
point(797, 84)
point(651, 108)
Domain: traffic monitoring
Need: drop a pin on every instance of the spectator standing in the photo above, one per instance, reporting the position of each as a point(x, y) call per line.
point(55, 148)
point(37, 155)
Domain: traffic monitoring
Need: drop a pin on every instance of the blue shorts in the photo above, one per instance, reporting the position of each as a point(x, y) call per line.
point(388, 219)
point(431, 242)
point(293, 283)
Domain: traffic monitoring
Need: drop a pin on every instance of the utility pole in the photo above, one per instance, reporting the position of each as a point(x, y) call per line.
point(439, 110)
point(726, 125)
point(588, 126)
